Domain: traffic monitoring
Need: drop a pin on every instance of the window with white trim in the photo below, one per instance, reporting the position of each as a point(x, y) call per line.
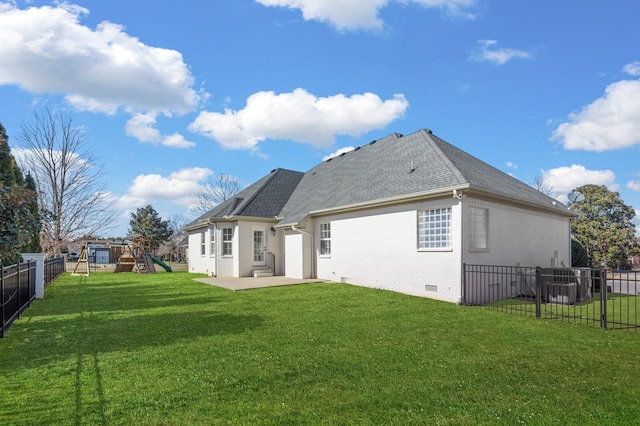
point(212, 241)
point(227, 241)
point(434, 228)
point(478, 226)
point(202, 244)
point(325, 239)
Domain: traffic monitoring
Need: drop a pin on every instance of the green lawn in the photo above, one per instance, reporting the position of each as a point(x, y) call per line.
point(163, 349)
point(622, 310)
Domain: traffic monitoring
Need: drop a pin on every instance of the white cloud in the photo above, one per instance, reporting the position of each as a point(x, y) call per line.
point(46, 50)
point(25, 158)
point(610, 122)
point(511, 165)
point(565, 179)
point(180, 187)
point(362, 14)
point(634, 185)
point(632, 68)
point(298, 116)
point(486, 52)
point(338, 152)
point(142, 127)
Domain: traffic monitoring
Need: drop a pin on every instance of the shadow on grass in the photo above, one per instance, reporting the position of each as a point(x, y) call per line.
point(121, 296)
point(92, 333)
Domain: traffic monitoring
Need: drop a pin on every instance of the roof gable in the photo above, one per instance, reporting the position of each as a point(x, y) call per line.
point(264, 198)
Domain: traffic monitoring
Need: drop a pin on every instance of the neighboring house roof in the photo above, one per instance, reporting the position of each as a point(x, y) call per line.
point(396, 166)
point(264, 198)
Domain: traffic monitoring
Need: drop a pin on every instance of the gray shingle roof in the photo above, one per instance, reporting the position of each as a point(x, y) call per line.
point(264, 198)
point(395, 166)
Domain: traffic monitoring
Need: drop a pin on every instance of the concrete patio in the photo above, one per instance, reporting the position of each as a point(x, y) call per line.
point(248, 283)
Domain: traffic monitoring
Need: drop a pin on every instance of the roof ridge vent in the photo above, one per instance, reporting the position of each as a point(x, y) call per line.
point(372, 142)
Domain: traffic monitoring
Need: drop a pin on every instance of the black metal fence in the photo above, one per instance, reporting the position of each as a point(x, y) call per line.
point(17, 290)
point(608, 299)
point(53, 268)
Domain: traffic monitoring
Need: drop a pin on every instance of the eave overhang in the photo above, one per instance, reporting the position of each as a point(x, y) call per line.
point(465, 189)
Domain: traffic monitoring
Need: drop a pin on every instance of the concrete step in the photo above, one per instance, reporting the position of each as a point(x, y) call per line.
point(262, 272)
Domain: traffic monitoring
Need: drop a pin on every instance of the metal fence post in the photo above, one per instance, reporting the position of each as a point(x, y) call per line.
point(603, 298)
point(32, 280)
point(464, 284)
point(19, 276)
point(538, 293)
point(1, 301)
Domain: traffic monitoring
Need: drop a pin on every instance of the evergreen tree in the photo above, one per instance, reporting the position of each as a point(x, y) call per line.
point(147, 222)
point(33, 246)
point(7, 162)
point(18, 178)
point(19, 218)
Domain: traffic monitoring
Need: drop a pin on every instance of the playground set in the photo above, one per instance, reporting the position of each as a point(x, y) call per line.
point(135, 256)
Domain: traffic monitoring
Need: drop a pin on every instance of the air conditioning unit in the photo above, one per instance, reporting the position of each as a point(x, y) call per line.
point(585, 283)
point(561, 293)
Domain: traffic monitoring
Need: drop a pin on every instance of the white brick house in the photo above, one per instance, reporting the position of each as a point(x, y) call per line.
point(402, 213)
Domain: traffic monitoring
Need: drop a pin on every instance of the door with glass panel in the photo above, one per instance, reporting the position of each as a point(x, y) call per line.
point(258, 247)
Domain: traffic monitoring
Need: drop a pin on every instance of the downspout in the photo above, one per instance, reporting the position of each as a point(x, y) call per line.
point(215, 255)
point(313, 257)
point(217, 261)
point(459, 195)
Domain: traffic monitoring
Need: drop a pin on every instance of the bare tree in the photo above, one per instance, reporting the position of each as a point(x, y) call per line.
point(543, 185)
point(71, 191)
point(216, 191)
point(173, 248)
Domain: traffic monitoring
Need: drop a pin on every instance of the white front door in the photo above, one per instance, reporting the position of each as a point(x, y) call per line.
point(258, 247)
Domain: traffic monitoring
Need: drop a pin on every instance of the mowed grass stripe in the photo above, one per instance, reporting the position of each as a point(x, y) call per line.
point(163, 349)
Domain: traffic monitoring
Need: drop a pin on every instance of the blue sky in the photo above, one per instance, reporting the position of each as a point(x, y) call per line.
point(172, 93)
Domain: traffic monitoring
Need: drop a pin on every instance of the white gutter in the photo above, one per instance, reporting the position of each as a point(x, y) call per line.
point(415, 196)
point(313, 257)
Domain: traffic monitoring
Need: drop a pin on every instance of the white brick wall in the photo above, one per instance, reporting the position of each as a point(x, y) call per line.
point(297, 255)
point(520, 236)
point(378, 248)
point(207, 264)
point(198, 263)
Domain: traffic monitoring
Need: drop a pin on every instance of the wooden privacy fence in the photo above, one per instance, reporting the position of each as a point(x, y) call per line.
point(608, 299)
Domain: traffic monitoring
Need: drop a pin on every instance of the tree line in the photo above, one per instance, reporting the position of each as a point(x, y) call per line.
point(63, 195)
point(19, 214)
